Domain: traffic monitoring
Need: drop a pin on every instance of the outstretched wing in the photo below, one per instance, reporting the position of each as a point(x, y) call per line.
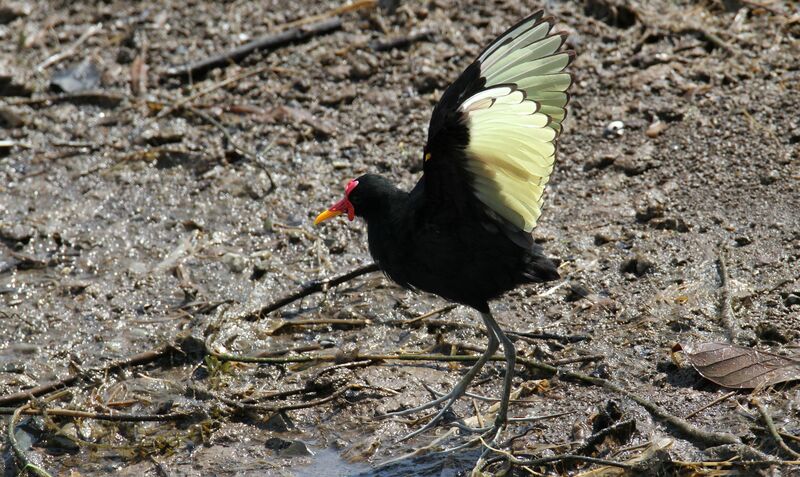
point(495, 128)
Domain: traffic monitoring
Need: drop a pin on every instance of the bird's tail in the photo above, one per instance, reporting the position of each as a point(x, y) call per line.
point(539, 268)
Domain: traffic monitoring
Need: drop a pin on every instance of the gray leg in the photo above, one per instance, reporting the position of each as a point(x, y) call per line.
point(491, 434)
point(462, 385)
point(511, 361)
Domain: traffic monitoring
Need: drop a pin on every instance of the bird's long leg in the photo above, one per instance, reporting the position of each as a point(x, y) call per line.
point(491, 433)
point(491, 436)
point(511, 360)
point(459, 389)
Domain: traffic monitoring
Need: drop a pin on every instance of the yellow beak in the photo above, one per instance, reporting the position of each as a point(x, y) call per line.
point(328, 214)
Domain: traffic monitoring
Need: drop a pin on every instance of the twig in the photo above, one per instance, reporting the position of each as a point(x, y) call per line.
point(19, 454)
point(549, 336)
point(399, 42)
point(330, 369)
point(101, 99)
point(712, 403)
point(577, 359)
point(457, 358)
point(318, 322)
point(296, 349)
point(478, 414)
point(338, 358)
point(552, 289)
point(347, 8)
point(265, 42)
point(789, 436)
point(71, 50)
point(598, 437)
point(773, 431)
point(429, 314)
point(480, 397)
point(313, 287)
point(560, 458)
point(240, 406)
point(121, 417)
point(709, 36)
point(743, 463)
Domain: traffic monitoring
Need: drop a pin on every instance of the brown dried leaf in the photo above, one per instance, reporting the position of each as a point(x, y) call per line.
point(739, 367)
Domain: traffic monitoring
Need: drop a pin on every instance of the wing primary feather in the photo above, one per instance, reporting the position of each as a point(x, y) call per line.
point(515, 30)
point(510, 104)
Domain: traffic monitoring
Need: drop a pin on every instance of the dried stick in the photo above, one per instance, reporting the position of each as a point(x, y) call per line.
point(548, 336)
point(313, 287)
point(347, 8)
point(481, 464)
point(773, 431)
point(22, 459)
point(457, 358)
point(399, 42)
point(101, 99)
point(734, 464)
point(121, 417)
point(597, 438)
point(241, 406)
point(429, 314)
point(709, 36)
point(712, 403)
point(578, 359)
point(265, 42)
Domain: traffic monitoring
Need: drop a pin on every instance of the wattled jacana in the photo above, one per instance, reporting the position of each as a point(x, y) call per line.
point(464, 231)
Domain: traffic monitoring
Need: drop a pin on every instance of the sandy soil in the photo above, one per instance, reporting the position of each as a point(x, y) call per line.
point(127, 223)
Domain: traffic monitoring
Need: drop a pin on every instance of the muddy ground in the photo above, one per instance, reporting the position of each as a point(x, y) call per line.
point(129, 221)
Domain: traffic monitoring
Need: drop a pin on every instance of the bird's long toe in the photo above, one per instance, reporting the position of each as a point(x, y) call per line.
point(452, 396)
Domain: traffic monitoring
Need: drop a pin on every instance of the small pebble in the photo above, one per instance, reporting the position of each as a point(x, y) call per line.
point(614, 129)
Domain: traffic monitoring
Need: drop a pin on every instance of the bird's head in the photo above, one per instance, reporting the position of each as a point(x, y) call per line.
point(341, 207)
point(363, 197)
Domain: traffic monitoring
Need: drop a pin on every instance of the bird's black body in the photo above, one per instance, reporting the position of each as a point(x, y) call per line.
point(446, 244)
point(439, 238)
point(464, 231)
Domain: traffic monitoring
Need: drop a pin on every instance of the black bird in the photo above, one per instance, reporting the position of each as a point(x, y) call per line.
point(464, 231)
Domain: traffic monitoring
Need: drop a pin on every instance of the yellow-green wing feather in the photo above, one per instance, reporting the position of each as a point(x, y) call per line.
point(515, 119)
